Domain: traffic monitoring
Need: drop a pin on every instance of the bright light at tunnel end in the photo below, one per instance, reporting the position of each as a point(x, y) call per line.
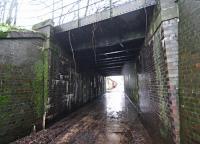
point(115, 83)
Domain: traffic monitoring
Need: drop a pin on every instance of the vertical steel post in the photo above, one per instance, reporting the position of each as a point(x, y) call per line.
point(110, 8)
point(78, 12)
point(53, 11)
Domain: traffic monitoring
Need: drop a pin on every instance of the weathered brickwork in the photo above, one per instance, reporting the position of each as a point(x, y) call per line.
point(38, 82)
point(131, 82)
point(69, 89)
point(21, 84)
point(189, 70)
point(158, 82)
point(157, 75)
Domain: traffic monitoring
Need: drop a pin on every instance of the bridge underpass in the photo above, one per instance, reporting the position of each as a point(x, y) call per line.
point(104, 48)
point(53, 84)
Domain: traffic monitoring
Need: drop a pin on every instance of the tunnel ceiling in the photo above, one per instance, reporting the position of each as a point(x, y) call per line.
point(107, 45)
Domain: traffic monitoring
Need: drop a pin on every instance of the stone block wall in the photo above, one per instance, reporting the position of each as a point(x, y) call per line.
point(189, 70)
point(69, 89)
point(21, 84)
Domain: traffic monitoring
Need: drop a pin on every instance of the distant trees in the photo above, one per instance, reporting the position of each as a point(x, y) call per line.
point(3, 5)
point(8, 11)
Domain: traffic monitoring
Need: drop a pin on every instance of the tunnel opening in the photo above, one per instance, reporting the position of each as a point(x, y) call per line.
point(81, 59)
point(114, 96)
point(121, 46)
point(115, 83)
point(71, 70)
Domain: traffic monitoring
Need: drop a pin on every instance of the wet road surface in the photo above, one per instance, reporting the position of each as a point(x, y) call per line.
point(110, 119)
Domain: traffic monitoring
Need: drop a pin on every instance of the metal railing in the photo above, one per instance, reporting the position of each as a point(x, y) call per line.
point(64, 11)
point(80, 8)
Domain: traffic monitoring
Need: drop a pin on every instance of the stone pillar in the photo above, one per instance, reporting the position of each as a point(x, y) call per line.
point(46, 28)
point(169, 14)
point(165, 25)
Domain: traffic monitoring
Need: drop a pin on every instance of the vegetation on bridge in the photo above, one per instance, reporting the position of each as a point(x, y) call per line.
point(6, 28)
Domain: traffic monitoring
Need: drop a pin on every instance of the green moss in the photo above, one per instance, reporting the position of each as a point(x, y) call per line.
point(6, 88)
point(164, 132)
point(3, 34)
point(40, 84)
point(4, 99)
point(38, 88)
point(46, 75)
point(5, 29)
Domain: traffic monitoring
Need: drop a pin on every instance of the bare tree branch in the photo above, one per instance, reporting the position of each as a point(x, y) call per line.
point(12, 14)
point(3, 5)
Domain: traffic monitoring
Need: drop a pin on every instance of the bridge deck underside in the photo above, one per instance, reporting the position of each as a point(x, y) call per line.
point(107, 45)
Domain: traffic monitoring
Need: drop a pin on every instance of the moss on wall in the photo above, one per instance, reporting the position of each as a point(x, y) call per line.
point(40, 83)
point(4, 99)
point(38, 88)
point(23, 85)
point(5, 88)
point(189, 71)
point(3, 34)
point(46, 75)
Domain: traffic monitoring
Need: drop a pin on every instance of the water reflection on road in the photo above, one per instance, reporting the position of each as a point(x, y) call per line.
point(110, 119)
point(115, 103)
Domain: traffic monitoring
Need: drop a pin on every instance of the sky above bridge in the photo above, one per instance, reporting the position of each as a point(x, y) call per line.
point(31, 12)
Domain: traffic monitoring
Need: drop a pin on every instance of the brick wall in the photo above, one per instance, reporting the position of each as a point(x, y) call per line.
point(189, 70)
point(157, 75)
point(158, 82)
point(21, 84)
point(131, 81)
point(38, 82)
